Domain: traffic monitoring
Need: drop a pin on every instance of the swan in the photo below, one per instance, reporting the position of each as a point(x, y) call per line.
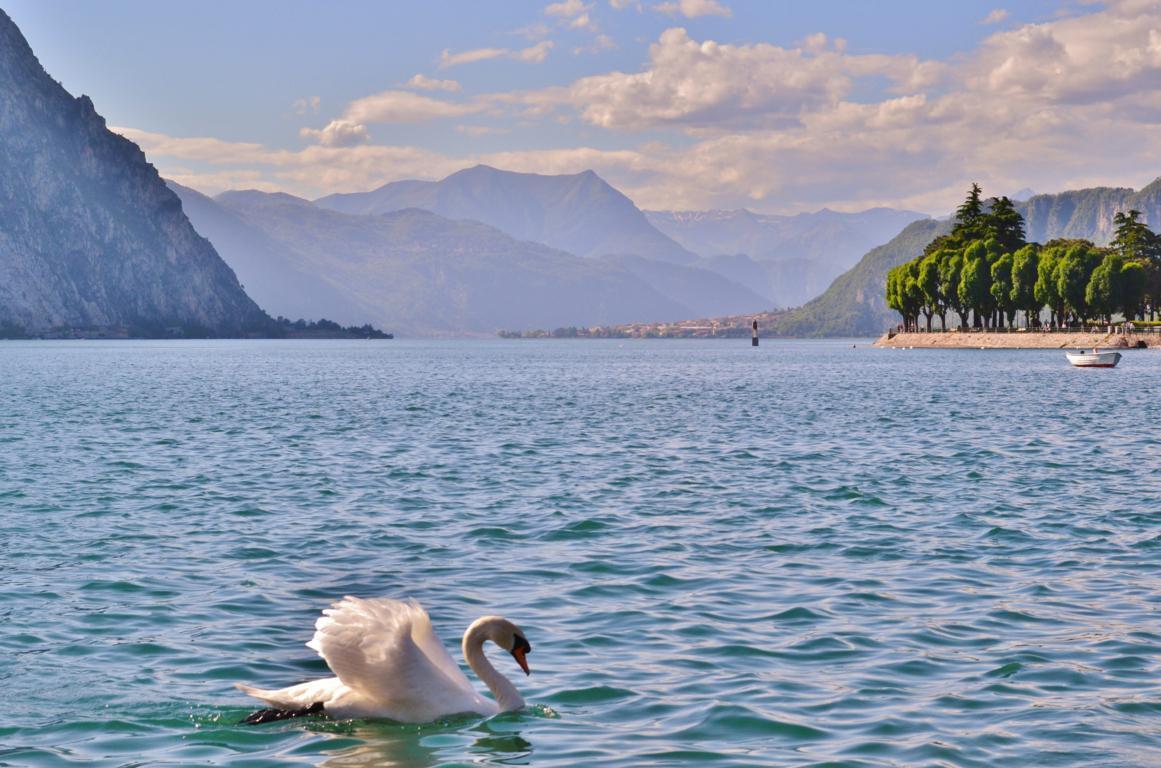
point(389, 664)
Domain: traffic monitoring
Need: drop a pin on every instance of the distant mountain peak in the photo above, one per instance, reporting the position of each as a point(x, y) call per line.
point(579, 213)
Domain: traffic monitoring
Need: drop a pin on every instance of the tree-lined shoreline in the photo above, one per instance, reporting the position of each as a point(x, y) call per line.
point(987, 274)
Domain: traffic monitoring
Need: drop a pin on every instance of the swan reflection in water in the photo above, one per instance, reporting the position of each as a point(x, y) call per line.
point(395, 746)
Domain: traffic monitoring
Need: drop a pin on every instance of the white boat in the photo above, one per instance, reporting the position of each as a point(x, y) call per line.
point(1083, 358)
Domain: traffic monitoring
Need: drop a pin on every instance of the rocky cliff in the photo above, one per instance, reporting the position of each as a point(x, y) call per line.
point(90, 237)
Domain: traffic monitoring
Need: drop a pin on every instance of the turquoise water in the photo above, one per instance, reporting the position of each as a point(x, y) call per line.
point(804, 554)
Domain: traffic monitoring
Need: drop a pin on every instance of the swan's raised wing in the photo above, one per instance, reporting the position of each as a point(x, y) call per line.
point(387, 650)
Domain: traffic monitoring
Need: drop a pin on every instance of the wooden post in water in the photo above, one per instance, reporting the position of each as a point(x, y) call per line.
point(754, 334)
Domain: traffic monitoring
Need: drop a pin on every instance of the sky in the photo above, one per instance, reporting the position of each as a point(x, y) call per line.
point(774, 106)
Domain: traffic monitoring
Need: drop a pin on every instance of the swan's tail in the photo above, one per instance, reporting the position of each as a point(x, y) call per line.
point(296, 701)
point(258, 717)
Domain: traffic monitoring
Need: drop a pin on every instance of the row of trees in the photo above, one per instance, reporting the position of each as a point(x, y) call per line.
point(986, 272)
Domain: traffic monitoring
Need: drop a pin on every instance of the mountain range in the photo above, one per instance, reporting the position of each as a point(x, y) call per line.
point(788, 259)
point(352, 255)
point(90, 237)
point(579, 213)
point(415, 271)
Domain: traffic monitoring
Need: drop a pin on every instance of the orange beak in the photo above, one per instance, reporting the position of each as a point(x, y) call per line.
point(518, 654)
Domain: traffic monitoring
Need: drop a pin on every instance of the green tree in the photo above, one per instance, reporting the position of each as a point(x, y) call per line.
point(1006, 225)
point(1102, 294)
point(1133, 240)
point(896, 299)
point(1001, 289)
point(950, 269)
point(969, 215)
point(1045, 289)
point(1136, 242)
point(975, 283)
point(1025, 263)
point(1133, 283)
point(927, 282)
point(1073, 272)
point(904, 295)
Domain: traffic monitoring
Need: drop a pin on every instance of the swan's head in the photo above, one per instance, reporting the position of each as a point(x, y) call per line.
point(509, 637)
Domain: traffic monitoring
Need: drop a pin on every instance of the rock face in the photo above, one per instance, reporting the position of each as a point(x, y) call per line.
point(1088, 213)
point(90, 236)
point(578, 213)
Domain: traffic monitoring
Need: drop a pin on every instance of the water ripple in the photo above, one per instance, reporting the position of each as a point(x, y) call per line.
point(806, 554)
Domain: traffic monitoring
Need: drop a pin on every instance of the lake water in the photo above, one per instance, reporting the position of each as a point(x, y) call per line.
point(801, 554)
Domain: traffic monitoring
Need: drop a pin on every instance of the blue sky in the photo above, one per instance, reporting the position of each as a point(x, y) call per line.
point(775, 106)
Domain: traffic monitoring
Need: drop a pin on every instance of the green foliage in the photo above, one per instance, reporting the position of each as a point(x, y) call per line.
point(1045, 291)
point(1001, 288)
point(1006, 225)
point(1133, 240)
point(854, 304)
point(1131, 286)
point(324, 328)
point(984, 268)
point(975, 283)
point(1025, 268)
point(970, 213)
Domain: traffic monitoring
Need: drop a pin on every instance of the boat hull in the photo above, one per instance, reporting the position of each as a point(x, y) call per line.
point(1093, 359)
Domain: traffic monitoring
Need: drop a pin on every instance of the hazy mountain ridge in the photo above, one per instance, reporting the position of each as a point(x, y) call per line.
point(273, 273)
point(90, 237)
point(855, 305)
point(578, 213)
point(420, 273)
point(789, 259)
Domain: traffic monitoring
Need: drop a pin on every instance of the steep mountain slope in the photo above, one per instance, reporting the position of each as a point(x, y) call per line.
point(854, 305)
point(789, 259)
point(90, 237)
point(579, 213)
point(1088, 213)
point(274, 274)
point(421, 273)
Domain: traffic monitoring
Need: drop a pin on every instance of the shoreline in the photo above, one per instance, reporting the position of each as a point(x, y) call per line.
point(1015, 340)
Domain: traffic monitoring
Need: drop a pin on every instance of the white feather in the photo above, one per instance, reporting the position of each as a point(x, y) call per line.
point(389, 663)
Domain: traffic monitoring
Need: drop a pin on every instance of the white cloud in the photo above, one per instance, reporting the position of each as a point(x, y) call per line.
point(710, 86)
point(449, 59)
point(534, 31)
point(338, 133)
point(425, 83)
point(405, 107)
point(479, 130)
point(995, 16)
point(307, 106)
point(691, 9)
point(567, 8)
point(601, 42)
point(388, 107)
point(1055, 105)
point(535, 54)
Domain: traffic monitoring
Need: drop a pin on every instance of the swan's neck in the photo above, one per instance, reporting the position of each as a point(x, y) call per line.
point(507, 697)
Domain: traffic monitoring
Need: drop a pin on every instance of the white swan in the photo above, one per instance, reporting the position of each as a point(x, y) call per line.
point(389, 664)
